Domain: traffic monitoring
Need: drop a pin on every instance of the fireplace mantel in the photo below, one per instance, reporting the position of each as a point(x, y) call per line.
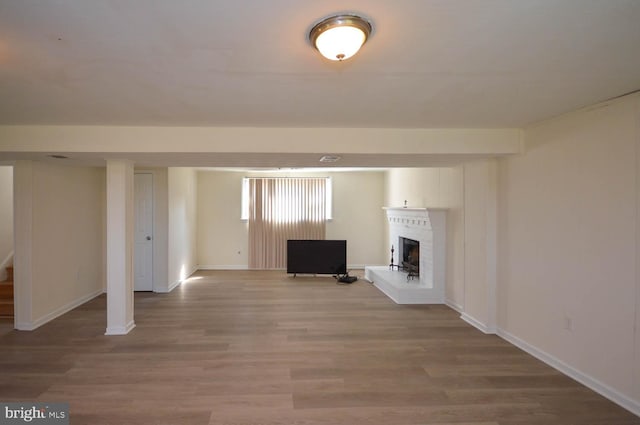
point(427, 226)
point(413, 209)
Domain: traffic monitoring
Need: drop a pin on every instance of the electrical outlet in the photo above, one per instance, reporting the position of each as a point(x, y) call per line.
point(568, 323)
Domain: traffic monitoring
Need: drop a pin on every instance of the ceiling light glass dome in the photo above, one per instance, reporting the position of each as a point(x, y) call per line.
point(340, 37)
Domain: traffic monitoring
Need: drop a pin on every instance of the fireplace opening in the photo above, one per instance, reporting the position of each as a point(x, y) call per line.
point(410, 254)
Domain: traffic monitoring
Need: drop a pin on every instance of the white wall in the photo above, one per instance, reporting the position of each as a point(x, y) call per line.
point(222, 236)
point(182, 219)
point(6, 218)
point(357, 217)
point(420, 187)
point(568, 230)
point(61, 254)
point(358, 198)
point(434, 188)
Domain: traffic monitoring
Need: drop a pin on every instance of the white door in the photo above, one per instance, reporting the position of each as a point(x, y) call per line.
point(143, 229)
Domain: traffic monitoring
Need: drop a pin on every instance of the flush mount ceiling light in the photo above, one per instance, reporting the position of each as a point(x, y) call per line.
point(339, 37)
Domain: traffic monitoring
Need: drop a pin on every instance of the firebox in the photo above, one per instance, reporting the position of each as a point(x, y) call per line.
point(410, 255)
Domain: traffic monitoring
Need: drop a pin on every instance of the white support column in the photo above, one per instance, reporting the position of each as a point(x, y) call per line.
point(480, 209)
point(119, 247)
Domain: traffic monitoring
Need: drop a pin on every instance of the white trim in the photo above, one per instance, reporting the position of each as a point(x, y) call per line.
point(172, 286)
point(453, 305)
point(120, 330)
point(234, 267)
point(606, 391)
point(477, 324)
point(178, 282)
point(30, 326)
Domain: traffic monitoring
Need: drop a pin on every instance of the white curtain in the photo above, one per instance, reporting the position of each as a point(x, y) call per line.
point(282, 209)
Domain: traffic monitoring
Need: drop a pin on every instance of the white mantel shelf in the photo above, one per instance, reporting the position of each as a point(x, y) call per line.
point(428, 226)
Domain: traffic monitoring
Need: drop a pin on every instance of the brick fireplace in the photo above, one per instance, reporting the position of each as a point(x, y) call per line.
point(427, 227)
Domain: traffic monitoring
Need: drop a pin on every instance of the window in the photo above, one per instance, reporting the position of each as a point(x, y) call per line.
point(280, 209)
point(328, 197)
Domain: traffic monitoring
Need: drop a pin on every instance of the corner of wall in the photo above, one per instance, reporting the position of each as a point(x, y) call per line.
point(636, 329)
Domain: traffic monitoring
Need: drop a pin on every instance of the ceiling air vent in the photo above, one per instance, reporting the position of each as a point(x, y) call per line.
point(330, 158)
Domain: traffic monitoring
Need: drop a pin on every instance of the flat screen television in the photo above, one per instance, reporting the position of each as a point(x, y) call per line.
point(316, 256)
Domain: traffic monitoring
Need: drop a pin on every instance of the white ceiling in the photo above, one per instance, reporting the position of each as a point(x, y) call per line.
point(429, 63)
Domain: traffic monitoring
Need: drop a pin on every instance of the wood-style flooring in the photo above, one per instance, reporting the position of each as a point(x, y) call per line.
point(241, 348)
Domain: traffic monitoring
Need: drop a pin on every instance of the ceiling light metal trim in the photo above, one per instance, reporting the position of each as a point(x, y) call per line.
point(337, 21)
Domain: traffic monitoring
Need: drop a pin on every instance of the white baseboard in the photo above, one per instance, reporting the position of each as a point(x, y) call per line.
point(173, 286)
point(477, 324)
point(246, 267)
point(234, 267)
point(606, 391)
point(30, 326)
point(177, 283)
point(455, 306)
point(120, 330)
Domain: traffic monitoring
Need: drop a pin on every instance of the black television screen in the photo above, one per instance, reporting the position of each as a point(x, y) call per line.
point(317, 256)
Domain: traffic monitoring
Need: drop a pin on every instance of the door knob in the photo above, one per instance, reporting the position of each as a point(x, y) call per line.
point(148, 238)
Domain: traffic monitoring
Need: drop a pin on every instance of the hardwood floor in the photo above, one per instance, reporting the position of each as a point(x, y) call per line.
point(242, 348)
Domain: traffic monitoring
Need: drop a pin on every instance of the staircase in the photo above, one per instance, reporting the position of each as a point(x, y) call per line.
point(6, 295)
